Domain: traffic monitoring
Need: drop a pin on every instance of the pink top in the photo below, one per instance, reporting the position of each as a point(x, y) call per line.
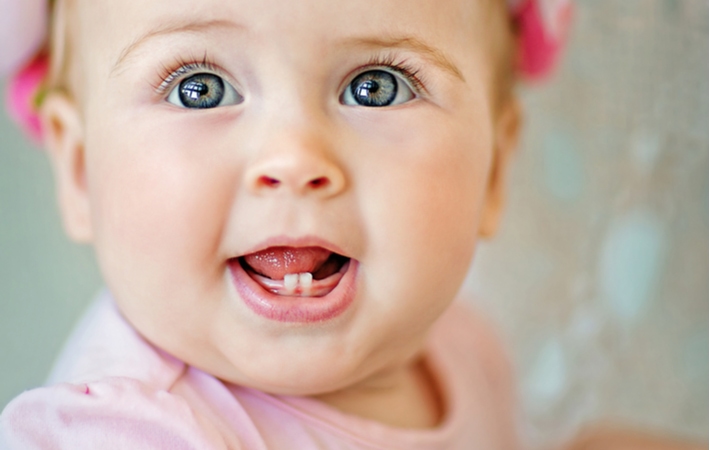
point(120, 392)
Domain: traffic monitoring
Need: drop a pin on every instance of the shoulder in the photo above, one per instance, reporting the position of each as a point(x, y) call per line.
point(473, 336)
point(477, 363)
point(104, 345)
point(110, 389)
point(112, 413)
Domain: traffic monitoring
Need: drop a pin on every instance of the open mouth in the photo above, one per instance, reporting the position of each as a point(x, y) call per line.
point(295, 284)
point(296, 271)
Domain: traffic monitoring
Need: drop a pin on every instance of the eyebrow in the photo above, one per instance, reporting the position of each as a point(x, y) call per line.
point(434, 55)
point(169, 28)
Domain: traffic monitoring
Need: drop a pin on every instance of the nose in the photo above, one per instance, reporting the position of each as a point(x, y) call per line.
point(297, 164)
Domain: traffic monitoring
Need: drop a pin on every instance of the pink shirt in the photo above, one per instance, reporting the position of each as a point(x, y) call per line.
point(117, 391)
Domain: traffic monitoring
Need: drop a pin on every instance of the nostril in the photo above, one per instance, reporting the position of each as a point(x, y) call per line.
point(319, 182)
point(268, 181)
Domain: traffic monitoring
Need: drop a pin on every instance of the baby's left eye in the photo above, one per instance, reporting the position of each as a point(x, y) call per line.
point(204, 90)
point(377, 88)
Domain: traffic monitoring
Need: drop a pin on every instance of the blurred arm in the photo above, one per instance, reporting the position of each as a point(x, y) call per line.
point(615, 438)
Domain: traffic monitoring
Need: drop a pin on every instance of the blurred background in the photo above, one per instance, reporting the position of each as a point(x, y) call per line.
point(599, 275)
point(598, 278)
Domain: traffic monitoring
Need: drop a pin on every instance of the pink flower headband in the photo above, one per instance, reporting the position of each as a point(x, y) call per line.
point(541, 24)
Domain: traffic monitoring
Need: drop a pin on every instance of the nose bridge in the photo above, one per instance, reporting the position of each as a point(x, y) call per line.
point(296, 154)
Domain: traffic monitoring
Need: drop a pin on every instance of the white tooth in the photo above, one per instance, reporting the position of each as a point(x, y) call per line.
point(305, 279)
point(290, 282)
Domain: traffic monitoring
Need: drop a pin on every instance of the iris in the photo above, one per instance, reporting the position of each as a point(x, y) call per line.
point(203, 90)
point(374, 88)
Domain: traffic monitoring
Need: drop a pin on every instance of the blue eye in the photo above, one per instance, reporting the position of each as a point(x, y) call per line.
point(204, 90)
point(377, 88)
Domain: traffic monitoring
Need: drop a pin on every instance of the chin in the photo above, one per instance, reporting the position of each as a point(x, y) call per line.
point(298, 371)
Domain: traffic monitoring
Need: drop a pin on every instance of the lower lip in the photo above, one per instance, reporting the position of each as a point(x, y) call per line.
point(294, 309)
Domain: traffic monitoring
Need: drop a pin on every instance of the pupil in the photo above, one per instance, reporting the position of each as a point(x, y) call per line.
point(374, 88)
point(203, 90)
point(194, 90)
point(367, 88)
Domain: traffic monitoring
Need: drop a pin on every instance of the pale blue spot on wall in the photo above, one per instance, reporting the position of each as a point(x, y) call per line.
point(631, 261)
point(547, 378)
point(563, 166)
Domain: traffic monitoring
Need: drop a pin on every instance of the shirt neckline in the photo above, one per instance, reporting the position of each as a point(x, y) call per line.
point(373, 433)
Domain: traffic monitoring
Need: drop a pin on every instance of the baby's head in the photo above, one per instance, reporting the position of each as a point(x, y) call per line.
point(284, 194)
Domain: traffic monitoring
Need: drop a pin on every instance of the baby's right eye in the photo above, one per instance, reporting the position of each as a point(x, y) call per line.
point(204, 90)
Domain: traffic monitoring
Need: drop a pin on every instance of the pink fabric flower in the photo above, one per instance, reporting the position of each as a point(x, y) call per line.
point(542, 27)
point(22, 97)
point(23, 29)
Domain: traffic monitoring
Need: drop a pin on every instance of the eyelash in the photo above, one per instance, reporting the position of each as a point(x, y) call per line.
point(401, 66)
point(169, 75)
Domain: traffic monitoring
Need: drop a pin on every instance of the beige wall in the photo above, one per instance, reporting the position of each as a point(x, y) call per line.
point(599, 276)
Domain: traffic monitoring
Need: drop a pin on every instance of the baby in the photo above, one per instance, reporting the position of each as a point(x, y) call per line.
point(284, 198)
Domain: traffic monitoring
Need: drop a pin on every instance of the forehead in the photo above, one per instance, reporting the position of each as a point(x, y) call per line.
point(110, 28)
point(318, 15)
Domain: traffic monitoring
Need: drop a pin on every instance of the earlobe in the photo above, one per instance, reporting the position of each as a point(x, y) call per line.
point(64, 140)
point(508, 127)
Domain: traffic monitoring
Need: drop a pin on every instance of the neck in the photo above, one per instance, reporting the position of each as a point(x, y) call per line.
point(406, 397)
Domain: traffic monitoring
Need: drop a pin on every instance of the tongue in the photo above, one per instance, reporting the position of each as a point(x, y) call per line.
point(276, 262)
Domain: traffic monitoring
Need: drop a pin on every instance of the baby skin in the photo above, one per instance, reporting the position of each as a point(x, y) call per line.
point(286, 195)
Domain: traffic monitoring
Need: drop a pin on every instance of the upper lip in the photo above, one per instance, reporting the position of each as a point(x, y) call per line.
point(303, 241)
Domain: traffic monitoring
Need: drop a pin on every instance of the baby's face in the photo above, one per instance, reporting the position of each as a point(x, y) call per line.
point(285, 194)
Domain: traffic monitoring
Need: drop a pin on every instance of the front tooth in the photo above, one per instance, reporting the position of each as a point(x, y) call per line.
point(305, 280)
point(290, 282)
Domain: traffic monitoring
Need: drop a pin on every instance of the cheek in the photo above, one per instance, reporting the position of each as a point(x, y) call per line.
point(429, 192)
point(420, 193)
point(158, 204)
point(421, 200)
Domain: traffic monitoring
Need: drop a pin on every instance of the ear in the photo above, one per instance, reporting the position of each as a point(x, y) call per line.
point(507, 128)
point(64, 140)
